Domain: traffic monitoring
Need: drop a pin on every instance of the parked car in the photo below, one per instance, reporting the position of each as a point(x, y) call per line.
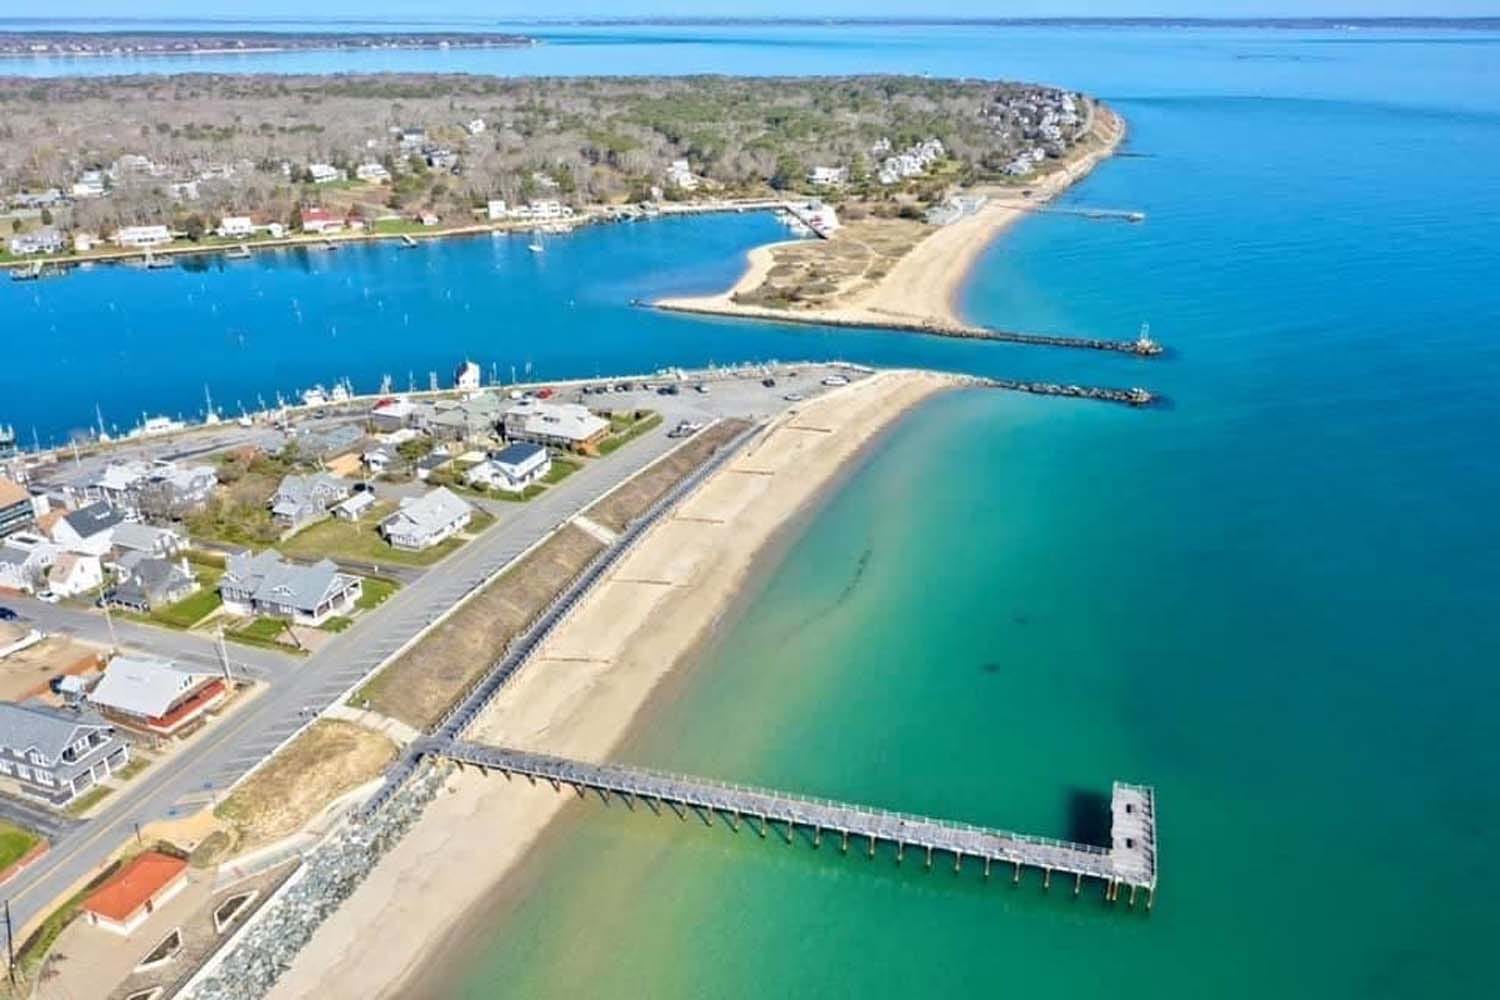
point(48, 597)
point(832, 380)
point(794, 397)
point(769, 383)
point(701, 388)
point(7, 615)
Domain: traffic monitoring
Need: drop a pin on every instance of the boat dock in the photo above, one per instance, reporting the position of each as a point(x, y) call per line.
point(1129, 861)
point(1096, 214)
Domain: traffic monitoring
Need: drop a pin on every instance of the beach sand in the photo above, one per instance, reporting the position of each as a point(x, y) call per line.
point(924, 286)
point(587, 685)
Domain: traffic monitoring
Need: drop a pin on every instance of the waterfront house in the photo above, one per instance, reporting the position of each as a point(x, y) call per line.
point(163, 487)
point(143, 237)
point(324, 173)
point(89, 530)
point(73, 574)
point(357, 506)
point(41, 241)
point(302, 500)
point(422, 522)
point(390, 414)
point(57, 754)
point(266, 584)
point(16, 510)
point(320, 220)
point(680, 175)
point(146, 583)
point(140, 888)
point(25, 558)
point(324, 445)
point(512, 469)
point(154, 696)
point(162, 543)
point(85, 242)
point(495, 209)
point(411, 139)
point(236, 227)
point(35, 201)
point(554, 425)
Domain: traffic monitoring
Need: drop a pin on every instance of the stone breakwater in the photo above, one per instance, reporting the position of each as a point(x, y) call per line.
point(330, 874)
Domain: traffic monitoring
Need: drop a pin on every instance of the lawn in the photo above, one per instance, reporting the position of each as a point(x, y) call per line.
point(376, 591)
point(136, 766)
point(561, 469)
point(14, 843)
point(534, 490)
point(360, 541)
point(262, 632)
point(87, 800)
point(195, 607)
point(625, 432)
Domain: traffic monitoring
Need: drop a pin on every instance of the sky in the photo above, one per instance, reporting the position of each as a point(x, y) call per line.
point(500, 9)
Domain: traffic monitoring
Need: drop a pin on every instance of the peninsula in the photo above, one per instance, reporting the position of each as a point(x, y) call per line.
point(166, 43)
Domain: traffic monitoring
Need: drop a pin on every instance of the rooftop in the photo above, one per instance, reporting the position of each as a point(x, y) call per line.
point(130, 888)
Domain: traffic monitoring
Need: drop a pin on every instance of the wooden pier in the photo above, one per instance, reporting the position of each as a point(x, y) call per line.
point(1129, 861)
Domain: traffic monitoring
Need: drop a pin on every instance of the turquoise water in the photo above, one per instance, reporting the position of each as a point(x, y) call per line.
point(1273, 599)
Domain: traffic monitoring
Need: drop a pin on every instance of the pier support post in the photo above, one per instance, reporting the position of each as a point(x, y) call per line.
point(531, 778)
point(651, 805)
point(1047, 878)
point(579, 789)
point(629, 801)
point(817, 836)
point(680, 814)
point(1016, 878)
point(900, 849)
point(762, 828)
point(845, 848)
point(502, 771)
point(734, 821)
point(1150, 898)
point(703, 815)
point(986, 867)
point(555, 786)
point(928, 863)
point(872, 845)
point(958, 861)
point(791, 831)
point(603, 796)
point(1131, 902)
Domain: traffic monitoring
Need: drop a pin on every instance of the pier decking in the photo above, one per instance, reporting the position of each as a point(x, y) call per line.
point(1130, 861)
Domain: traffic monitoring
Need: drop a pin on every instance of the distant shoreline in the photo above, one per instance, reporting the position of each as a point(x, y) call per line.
point(87, 44)
point(923, 288)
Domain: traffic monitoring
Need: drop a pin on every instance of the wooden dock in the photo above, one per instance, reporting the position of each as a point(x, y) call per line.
point(1129, 861)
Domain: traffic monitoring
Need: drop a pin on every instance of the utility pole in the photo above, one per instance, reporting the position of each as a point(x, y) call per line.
point(10, 945)
point(224, 657)
point(109, 620)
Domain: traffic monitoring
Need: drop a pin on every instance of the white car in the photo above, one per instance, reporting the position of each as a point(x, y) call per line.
point(793, 397)
point(833, 380)
point(48, 597)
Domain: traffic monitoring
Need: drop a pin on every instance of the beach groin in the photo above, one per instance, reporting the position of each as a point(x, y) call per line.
point(1141, 347)
point(1130, 397)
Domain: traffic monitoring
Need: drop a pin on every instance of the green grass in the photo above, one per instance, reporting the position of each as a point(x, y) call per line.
point(376, 591)
point(634, 430)
point(14, 843)
point(263, 632)
point(561, 469)
point(87, 800)
point(204, 558)
point(336, 624)
point(136, 766)
point(191, 609)
point(396, 227)
point(535, 489)
point(360, 541)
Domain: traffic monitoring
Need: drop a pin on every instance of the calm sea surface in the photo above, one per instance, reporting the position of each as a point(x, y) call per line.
point(1273, 599)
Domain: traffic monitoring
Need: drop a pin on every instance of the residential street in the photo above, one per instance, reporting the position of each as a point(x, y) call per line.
point(298, 689)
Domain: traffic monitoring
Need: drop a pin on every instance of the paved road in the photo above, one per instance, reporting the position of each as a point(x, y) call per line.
point(35, 817)
point(302, 688)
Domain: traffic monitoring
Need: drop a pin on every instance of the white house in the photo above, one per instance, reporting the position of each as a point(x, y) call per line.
point(422, 522)
point(372, 173)
point(466, 377)
point(512, 469)
point(236, 226)
point(680, 175)
point(155, 696)
point(73, 574)
point(183, 190)
point(88, 530)
point(324, 173)
point(24, 561)
point(266, 584)
point(562, 425)
point(547, 209)
point(90, 185)
point(143, 236)
point(495, 209)
point(827, 176)
point(320, 220)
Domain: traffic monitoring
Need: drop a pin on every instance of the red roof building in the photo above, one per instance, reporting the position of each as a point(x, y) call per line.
point(135, 892)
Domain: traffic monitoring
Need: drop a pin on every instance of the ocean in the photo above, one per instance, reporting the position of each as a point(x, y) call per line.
point(1271, 598)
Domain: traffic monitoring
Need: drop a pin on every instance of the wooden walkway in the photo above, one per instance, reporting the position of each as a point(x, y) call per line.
point(1130, 861)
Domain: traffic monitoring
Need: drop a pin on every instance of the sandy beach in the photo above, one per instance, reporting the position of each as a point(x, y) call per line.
point(923, 287)
point(581, 694)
